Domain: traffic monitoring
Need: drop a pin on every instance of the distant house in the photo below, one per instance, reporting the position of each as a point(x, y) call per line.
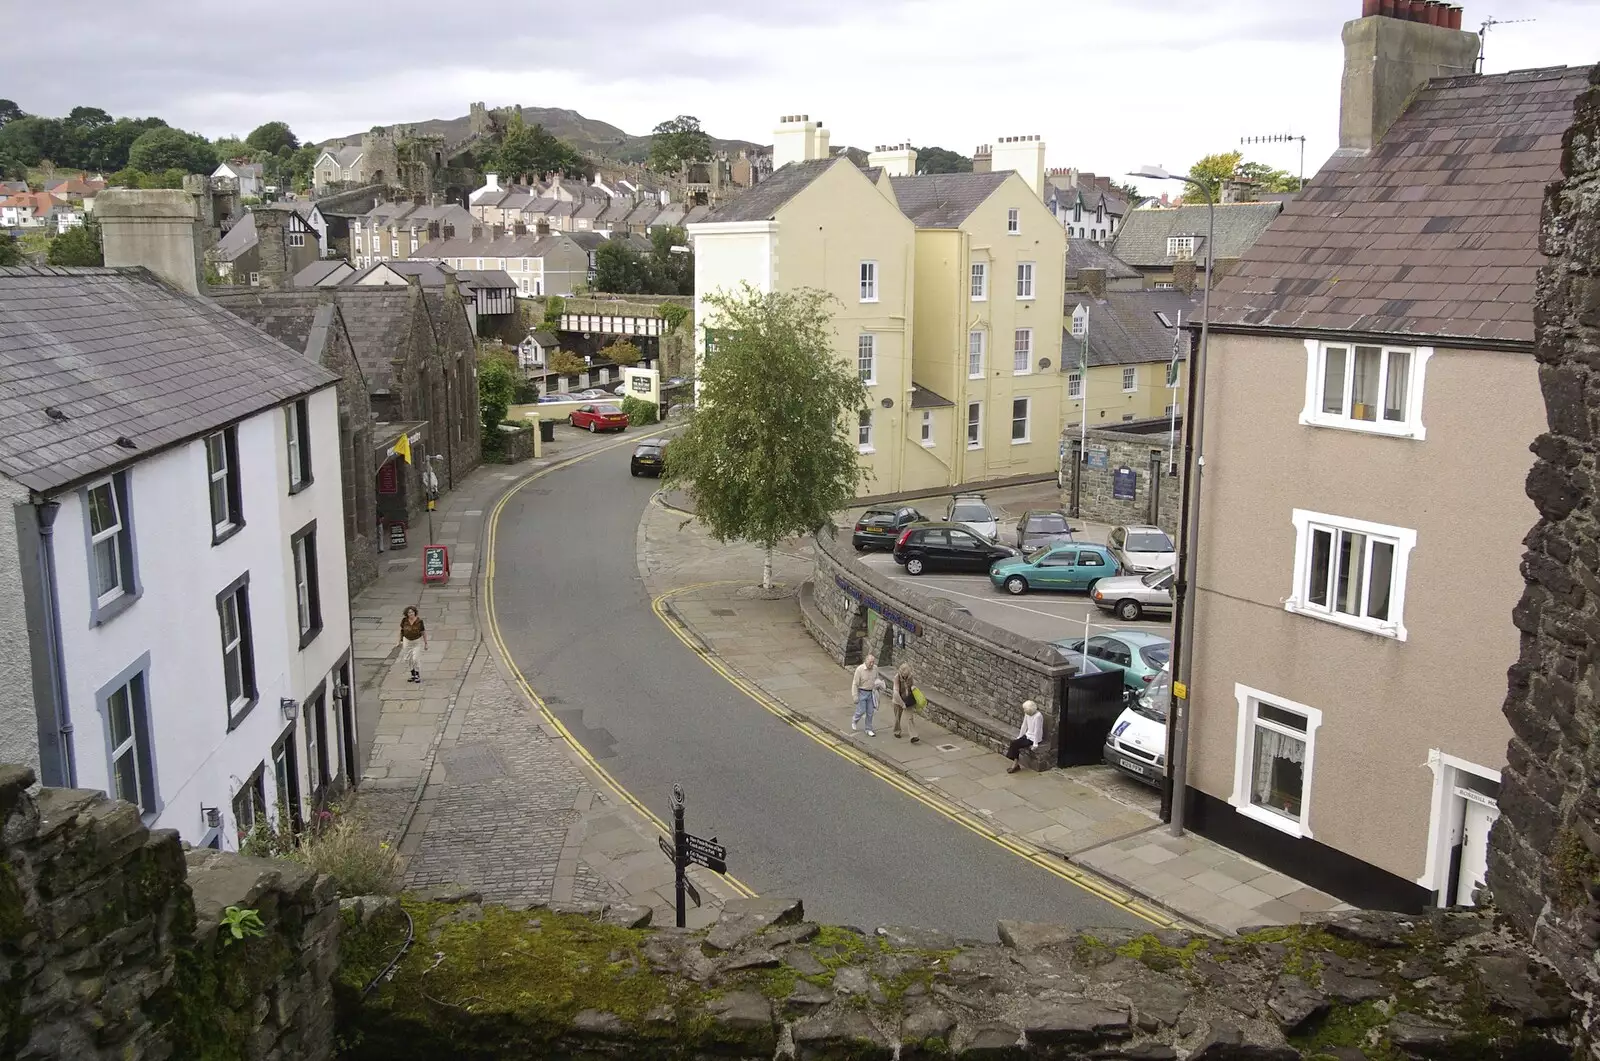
point(248, 176)
point(328, 272)
point(1160, 243)
point(268, 245)
point(1086, 205)
point(539, 265)
point(533, 353)
point(395, 231)
point(339, 165)
point(25, 210)
point(1132, 338)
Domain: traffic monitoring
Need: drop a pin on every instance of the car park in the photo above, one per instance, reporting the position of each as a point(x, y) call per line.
point(973, 511)
point(649, 457)
point(593, 394)
point(1038, 527)
point(1137, 742)
point(1129, 597)
point(1140, 655)
point(879, 528)
point(1071, 566)
point(947, 547)
point(558, 396)
point(1141, 549)
point(599, 418)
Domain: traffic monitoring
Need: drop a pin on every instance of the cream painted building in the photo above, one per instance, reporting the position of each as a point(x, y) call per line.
point(949, 296)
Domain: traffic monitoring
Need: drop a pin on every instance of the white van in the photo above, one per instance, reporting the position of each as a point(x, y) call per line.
point(1137, 743)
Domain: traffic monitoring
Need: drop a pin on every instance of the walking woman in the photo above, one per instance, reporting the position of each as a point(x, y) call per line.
point(905, 702)
point(1030, 735)
point(413, 640)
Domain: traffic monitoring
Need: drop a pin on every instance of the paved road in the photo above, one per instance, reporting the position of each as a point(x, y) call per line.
point(797, 819)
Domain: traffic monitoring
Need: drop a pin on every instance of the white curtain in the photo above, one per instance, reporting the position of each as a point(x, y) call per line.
point(1278, 771)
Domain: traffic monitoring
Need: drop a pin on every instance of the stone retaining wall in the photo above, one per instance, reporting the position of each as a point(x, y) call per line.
point(1123, 449)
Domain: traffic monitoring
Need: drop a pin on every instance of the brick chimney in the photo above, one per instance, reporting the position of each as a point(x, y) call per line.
point(1390, 52)
point(541, 226)
point(1184, 275)
point(272, 246)
point(449, 231)
point(477, 232)
point(160, 229)
point(497, 231)
point(1093, 281)
point(982, 158)
point(433, 230)
point(520, 228)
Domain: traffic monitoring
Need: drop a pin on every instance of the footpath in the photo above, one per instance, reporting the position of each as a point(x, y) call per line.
point(1086, 816)
point(475, 786)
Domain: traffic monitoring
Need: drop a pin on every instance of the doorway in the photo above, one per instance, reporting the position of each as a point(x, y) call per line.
point(1470, 856)
point(316, 717)
point(1465, 808)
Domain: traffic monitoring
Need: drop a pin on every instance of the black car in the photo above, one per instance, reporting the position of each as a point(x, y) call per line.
point(649, 457)
point(1039, 526)
point(879, 527)
point(948, 547)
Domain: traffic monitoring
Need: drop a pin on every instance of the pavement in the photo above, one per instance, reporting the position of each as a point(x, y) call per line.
point(1088, 817)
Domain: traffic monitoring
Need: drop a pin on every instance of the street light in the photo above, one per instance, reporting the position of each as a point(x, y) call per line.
point(1189, 538)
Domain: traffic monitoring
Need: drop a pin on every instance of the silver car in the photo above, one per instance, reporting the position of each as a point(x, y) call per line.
point(1129, 597)
point(1141, 549)
point(972, 510)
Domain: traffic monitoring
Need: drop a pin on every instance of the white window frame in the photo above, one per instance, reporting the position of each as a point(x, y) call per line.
point(413, 243)
point(974, 425)
point(1027, 420)
point(1311, 415)
point(237, 651)
point(864, 432)
point(1244, 752)
point(1075, 385)
point(1130, 379)
point(1013, 222)
point(297, 239)
point(1181, 247)
point(1446, 770)
point(1024, 281)
point(113, 534)
point(394, 246)
point(1402, 538)
point(867, 358)
point(869, 281)
point(293, 444)
point(135, 692)
point(222, 474)
point(255, 279)
point(1080, 323)
point(980, 339)
point(927, 428)
point(978, 282)
point(1022, 352)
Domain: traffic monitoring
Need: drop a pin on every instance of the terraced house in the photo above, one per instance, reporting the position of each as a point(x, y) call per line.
point(949, 293)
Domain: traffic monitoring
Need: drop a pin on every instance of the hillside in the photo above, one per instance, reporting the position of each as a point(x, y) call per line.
point(586, 134)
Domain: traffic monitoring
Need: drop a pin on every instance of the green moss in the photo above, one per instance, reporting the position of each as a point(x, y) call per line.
point(13, 915)
point(1348, 1026)
point(1150, 951)
point(210, 1004)
point(1575, 869)
point(776, 983)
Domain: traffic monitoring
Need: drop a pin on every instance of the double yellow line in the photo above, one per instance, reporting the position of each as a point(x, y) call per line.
point(493, 625)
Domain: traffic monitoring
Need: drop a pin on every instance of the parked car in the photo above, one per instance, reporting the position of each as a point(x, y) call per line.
point(1141, 549)
point(1042, 527)
point(599, 418)
point(1073, 566)
point(948, 547)
point(558, 396)
point(649, 457)
point(1140, 655)
point(1128, 597)
point(1137, 742)
point(592, 394)
point(975, 513)
point(879, 528)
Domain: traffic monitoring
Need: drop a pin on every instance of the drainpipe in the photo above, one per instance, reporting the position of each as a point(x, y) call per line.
point(66, 767)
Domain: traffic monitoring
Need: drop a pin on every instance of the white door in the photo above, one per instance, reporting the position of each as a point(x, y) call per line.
point(1479, 816)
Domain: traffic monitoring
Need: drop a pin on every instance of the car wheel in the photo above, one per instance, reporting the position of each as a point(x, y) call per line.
point(572, 421)
point(861, 547)
point(1129, 610)
point(592, 428)
point(633, 472)
point(1016, 585)
point(914, 565)
point(1089, 589)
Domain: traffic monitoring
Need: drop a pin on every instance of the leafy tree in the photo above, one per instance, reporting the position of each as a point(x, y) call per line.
point(940, 160)
point(672, 313)
point(554, 307)
point(166, 148)
point(77, 246)
point(9, 111)
point(109, 145)
point(29, 139)
point(1264, 178)
point(639, 411)
point(1212, 170)
point(532, 151)
point(230, 147)
point(619, 269)
point(670, 273)
point(675, 142)
point(766, 452)
point(127, 177)
point(12, 169)
point(87, 118)
point(270, 137)
point(622, 352)
point(10, 249)
point(565, 363)
point(1127, 190)
point(497, 388)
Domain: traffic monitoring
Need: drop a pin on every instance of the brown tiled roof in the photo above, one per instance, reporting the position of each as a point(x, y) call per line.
point(1434, 233)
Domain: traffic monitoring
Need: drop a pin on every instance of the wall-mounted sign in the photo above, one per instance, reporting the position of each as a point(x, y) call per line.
point(889, 614)
point(1124, 484)
point(1098, 458)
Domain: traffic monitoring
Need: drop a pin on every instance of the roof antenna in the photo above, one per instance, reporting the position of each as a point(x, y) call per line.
point(1483, 33)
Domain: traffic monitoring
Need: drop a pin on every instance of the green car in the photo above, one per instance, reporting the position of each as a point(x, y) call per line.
point(1070, 565)
point(1139, 655)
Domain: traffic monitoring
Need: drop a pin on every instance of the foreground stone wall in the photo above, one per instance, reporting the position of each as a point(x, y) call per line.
point(1544, 865)
point(489, 982)
point(112, 943)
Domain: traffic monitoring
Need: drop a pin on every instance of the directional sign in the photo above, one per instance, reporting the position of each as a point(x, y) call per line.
point(688, 886)
point(666, 849)
point(708, 853)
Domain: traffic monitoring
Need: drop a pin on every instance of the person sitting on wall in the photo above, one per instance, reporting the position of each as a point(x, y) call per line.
point(1029, 735)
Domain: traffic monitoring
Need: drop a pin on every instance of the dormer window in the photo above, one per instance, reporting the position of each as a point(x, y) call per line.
point(1180, 247)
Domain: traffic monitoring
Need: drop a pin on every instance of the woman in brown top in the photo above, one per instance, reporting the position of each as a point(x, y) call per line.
point(905, 702)
point(413, 639)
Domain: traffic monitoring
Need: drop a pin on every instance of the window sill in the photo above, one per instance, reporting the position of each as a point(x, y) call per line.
point(303, 484)
point(218, 537)
point(237, 715)
point(1277, 821)
point(865, 449)
point(975, 375)
point(1022, 372)
point(310, 636)
point(104, 613)
point(1026, 298)
point(1021, 441)
point(927, 443)
point(868, 301)
point(1363, 427)
point(1134, 391)
point(974, 445)
point(1387, 631)
point(980, 298)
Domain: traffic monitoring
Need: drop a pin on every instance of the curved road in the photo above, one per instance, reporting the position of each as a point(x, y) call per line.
point(797, 819)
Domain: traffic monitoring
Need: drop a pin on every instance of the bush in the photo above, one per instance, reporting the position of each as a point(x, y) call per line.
point(622, 353)
point(554, 307)
point(358, 865)
point(527, 392)
point(672, 313)
point(566, 363)
point(639, 411)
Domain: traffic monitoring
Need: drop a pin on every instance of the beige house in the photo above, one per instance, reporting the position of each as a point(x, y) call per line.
point(345, 164)
point(1370, 403)
point(539, 264)
point(395, 231)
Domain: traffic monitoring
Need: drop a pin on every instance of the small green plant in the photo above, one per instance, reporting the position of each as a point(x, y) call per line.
point(566, 363)
point(673, 314)
point(639, 411)
point(242, 923)
point(1575, 868)
point(358, 864)
point(622, 353)
point(554, 307)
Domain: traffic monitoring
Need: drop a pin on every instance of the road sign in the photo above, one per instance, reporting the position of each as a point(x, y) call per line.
point(684, 849)
point(708, 853)
point(666, 849)
point(435, 563)
point(688, 886)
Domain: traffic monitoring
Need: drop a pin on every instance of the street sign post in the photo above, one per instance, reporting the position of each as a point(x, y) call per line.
point(686, 848)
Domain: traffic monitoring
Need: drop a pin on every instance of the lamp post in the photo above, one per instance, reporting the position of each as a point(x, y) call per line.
point(1189, 535)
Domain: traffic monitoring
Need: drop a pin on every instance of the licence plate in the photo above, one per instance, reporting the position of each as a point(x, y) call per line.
point(1129, 764)
point(647, 460)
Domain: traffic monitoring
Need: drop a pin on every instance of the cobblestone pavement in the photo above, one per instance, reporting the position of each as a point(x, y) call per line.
point(1089, 816)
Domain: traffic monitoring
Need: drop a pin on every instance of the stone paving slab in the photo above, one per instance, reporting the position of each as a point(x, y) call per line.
point(1088, 815)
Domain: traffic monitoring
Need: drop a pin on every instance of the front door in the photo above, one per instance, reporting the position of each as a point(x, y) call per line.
point(316, 710)
point(1475, 825)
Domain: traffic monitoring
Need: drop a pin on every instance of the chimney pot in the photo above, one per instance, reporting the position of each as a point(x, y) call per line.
point(1370, 8)
point(449, 232)
point(1386, 8)
point(1455, 18)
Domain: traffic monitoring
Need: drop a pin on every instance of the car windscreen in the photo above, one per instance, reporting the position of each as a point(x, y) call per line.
point(1156, 655)
point(1149, 542)
point(1049, 523)
point(648, 449)
point(1038, 554)
point(607, 410)
point(1156, 576)
point(971, 514)
point(878, 519)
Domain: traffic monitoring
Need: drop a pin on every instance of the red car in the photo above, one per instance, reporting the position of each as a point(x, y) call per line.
point(599, 418)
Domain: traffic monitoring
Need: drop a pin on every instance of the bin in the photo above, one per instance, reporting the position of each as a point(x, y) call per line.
point(547, 430)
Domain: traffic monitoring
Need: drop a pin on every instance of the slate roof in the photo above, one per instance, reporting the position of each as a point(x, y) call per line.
point(764, 200)
point(1088, 254)
point(671, 215)
point(122, 355)
point(428, 273)
point(1141, 241)
point(1124, 328)
point(923, 398)
point(618, 210)
point(238, 239)
point(696, 214)
point(644, 213)
point(507, 246)
point(487, 279)
point(317, 272)
point(345, 155)
point(944, 200)
point(1434, 233)
point(589, 241)
point(544, 339)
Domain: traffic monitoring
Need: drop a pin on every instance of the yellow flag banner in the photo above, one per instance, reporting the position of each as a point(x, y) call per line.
point(402, 448)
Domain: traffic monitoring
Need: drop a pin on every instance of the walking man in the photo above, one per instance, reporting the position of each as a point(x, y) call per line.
point(413, 640)
point(1030, 735)
point(863, 690)
point(905, 702)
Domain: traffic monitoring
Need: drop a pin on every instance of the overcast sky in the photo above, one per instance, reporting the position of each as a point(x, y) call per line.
point(1109, 84)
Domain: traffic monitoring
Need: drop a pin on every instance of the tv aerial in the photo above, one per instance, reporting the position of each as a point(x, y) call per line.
point(1483, 33)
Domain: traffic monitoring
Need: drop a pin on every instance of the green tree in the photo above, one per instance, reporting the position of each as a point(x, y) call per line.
point(619, 270)
point(29, 139)
point(167, 148)
point(675, 142)
point(565, 363)
point(10, 249)
point(111, 143)
point(766, 452)
point(940, 160)
point(270, 137)
point(230, 147)
point(497, 388)
point(531, 151)
point(76, 246)
point(10, 112)
point(1211, 171)
point(1264, 178)
point(622, 352)
point(670, 273)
